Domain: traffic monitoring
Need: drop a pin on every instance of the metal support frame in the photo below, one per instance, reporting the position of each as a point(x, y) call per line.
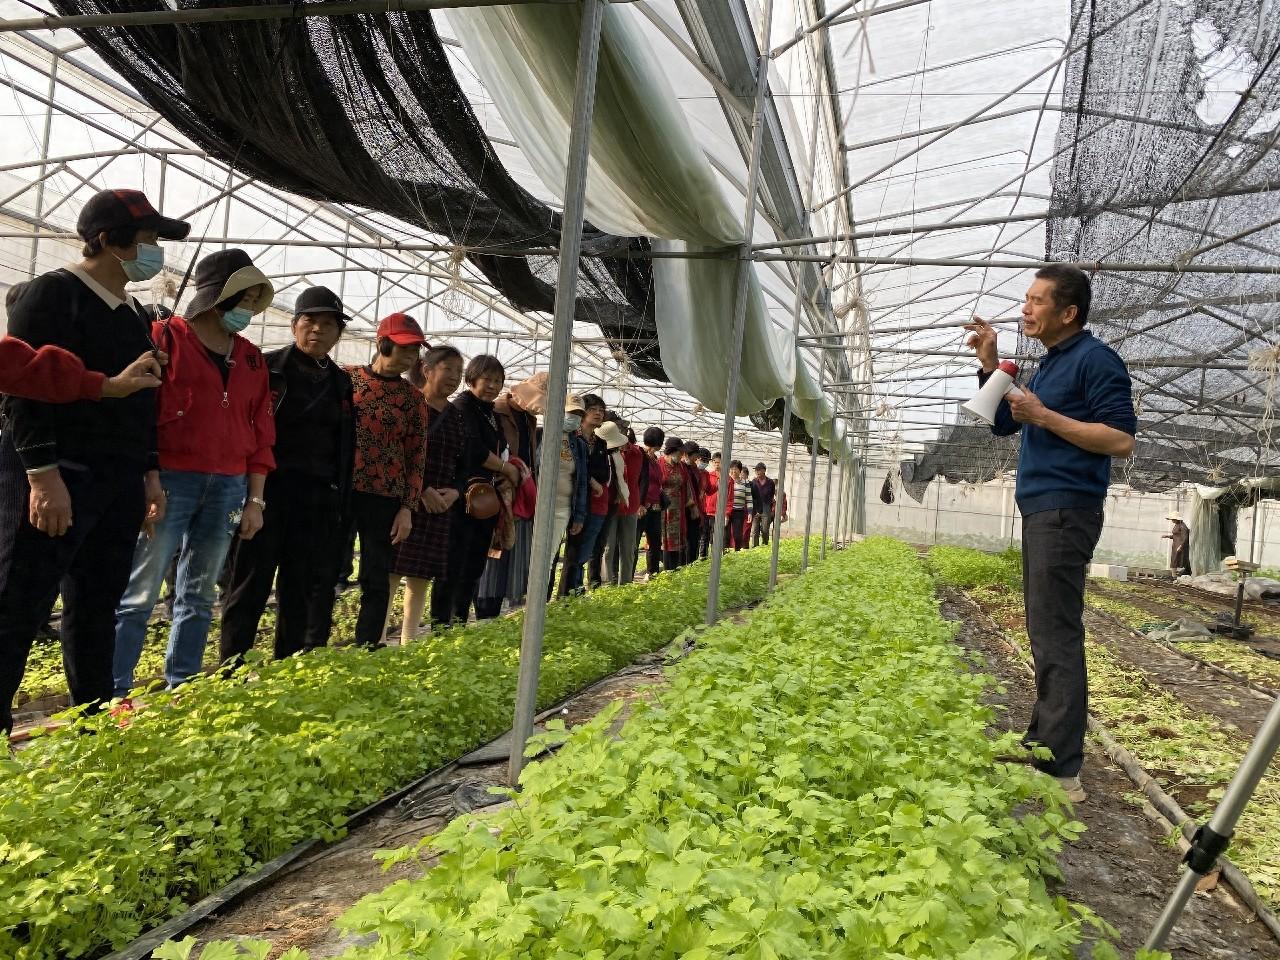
point(741, 298)
point(826, 500)
point(815, 431)
point(784, 441)
point(545, 542)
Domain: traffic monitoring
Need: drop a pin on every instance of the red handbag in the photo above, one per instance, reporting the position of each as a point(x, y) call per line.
point(526, 496)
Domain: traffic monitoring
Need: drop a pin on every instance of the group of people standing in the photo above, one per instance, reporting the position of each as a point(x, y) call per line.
point(253, 471)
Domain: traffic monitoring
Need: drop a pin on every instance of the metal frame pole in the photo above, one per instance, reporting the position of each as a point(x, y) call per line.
point(545, 542)
point(826, 501)
point(742, 294)
point(784, 442)
point(45, 140)
point(1212, 838)
point(815, 430)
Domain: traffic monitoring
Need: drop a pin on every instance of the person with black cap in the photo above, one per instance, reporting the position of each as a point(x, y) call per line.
point(77, 480)
point(215, 437)
point(307, 495)
point(764, 495)
point(391, 435)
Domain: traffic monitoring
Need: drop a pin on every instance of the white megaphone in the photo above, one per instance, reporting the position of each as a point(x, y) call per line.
point(998, 386)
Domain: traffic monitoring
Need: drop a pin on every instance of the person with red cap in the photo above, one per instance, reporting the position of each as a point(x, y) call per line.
point(391, 433)
point(78, 479)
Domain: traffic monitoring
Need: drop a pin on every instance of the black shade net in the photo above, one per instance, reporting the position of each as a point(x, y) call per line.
point(365, 110)
point(1168, 153)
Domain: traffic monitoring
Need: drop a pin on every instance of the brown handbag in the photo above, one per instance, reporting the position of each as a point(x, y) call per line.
point(482, 500)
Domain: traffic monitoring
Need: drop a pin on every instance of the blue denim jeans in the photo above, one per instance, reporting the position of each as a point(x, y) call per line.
point(202, 514)
point(591, 529)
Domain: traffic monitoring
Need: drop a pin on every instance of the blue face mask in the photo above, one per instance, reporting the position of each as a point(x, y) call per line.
point(233, 321)
point(572, 422)
point(148, 262)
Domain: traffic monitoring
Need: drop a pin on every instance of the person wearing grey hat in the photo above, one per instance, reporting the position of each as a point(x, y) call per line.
point(308, 496)
point(215, 436)
point(78, 479)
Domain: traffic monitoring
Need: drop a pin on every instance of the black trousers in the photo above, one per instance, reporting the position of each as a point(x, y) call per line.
point(373, 516)
point(595, 566)
point(452, 594)
point(90, 564)
point(737, 529)
point(1057, 546)
point(298, 549)
point(696, 524)
point(673, 559)
point(651, 524)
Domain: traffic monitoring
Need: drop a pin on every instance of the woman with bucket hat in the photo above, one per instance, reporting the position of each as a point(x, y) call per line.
point(215, 433)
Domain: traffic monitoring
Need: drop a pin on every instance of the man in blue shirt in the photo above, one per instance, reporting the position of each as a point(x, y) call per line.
point(1075, 415)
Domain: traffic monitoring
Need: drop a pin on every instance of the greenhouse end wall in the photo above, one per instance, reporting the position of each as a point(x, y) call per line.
point(985, 517)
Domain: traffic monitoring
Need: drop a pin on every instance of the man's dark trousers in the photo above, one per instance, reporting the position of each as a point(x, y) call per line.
point(89, 564)
point(1057, 546)
point(298, 549)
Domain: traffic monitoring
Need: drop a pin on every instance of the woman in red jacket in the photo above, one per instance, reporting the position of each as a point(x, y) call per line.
point(215, 433)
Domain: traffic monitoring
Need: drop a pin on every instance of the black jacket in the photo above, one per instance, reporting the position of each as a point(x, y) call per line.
point(276, 361)
point(58, 308)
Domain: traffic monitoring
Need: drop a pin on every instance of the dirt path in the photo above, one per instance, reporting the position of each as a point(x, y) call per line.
point(1123, 867)
point(1166, 606)
point(1211, 694)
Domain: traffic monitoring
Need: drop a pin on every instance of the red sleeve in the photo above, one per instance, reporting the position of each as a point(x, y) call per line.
point(262, 460)
point(48, 375)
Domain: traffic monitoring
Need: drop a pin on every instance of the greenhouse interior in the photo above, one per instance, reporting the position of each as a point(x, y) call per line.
point(911, 583)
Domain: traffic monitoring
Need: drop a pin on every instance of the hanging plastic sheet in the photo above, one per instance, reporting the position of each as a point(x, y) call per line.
point(648, 175)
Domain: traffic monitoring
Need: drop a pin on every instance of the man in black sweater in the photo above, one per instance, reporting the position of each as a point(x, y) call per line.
point(299, 547)
point(79, 480)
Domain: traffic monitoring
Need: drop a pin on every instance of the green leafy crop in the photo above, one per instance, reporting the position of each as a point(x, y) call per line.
point(813, 783)
point(962, 567)
point(105, 831)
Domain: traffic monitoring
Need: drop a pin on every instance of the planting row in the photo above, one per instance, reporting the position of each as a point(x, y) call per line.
point(1191, 754)
point(106, 831)
point(814, 782)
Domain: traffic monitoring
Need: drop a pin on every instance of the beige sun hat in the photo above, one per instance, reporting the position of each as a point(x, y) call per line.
point(613, 437)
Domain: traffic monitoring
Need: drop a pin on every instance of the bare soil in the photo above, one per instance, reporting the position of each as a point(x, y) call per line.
point(1123, 867)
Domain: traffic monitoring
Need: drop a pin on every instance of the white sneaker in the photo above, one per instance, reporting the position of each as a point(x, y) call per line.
point(1075, 792)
